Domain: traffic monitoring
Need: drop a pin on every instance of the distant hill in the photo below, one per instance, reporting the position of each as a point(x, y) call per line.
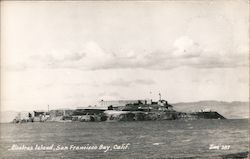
point(230, 110)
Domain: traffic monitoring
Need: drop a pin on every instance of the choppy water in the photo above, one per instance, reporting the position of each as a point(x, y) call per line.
point(147, 139)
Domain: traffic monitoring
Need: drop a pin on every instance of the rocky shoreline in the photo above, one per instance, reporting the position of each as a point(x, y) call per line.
point(110, 115)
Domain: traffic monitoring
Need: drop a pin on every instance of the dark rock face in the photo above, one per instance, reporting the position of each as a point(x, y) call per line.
point(171, 115)
point(208, 115)
point(87, 111)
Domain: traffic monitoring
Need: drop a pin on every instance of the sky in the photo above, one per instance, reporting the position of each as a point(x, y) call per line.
point(75, 53)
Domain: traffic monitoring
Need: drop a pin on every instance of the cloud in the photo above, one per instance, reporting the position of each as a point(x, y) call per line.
point(186, 47)
point(119, 82)
point(15, 67)
point(126, 83)
point(144, 81)
point(109, 95)
point(218, 62)
point(185, 52)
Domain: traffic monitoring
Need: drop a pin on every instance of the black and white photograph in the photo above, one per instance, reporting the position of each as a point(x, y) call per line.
point(142, 79)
